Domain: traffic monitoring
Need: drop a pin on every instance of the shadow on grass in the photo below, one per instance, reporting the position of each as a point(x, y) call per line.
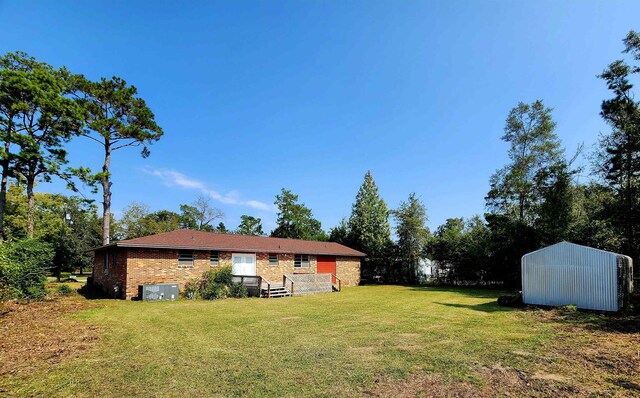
point(629, 385)
point(476, 292)
point(92, 292)
point(489, 307)
point(606, 322)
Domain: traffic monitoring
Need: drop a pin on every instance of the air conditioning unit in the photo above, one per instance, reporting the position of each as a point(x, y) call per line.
point(159, 291)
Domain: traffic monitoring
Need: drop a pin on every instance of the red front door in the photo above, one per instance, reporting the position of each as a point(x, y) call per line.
point(327, 265)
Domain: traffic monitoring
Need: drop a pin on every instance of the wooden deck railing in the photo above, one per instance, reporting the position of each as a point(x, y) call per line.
point(284, 283)
point(253, 283)
point(263, 280)
point(338, 281)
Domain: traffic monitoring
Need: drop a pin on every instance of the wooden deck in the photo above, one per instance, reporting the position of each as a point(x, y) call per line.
point(298, 284)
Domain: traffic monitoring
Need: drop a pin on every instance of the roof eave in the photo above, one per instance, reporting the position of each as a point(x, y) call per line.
point(217, 248)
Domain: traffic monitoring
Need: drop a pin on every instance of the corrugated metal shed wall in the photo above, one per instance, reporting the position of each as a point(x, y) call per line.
point(566, 273)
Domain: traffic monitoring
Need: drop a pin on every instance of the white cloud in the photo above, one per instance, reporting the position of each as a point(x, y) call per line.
point(259, 205)
point(174, 178)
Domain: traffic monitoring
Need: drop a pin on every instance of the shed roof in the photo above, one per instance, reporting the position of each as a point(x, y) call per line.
point(201, 240)
point(575, 246)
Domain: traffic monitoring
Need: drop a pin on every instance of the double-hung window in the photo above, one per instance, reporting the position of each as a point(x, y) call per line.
point(301, 261)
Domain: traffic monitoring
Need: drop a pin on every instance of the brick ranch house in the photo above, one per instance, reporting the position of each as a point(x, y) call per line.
point(177, 256)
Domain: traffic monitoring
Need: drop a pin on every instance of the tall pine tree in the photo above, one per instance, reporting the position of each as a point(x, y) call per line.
point(116, 118)
point(411, 217)
point(295, 220)
point(369, 229)
point(618, 160)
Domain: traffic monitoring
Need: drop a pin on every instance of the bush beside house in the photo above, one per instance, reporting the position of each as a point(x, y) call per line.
point(215, 284)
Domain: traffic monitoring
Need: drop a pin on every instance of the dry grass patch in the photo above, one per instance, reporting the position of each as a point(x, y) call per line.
point(36, 334)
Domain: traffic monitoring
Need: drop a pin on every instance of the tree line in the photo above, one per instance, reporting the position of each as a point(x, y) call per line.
point(535, 200)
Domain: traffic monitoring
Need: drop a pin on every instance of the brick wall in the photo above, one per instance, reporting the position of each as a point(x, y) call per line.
point(115, 275)
point(161, 266)
point(274, 273)
point(348, 270)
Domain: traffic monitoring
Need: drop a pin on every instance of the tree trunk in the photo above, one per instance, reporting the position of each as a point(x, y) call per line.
point(31, 206)
point(5, 175)
point(628, 208)
point(106, 196)
point(3, 188)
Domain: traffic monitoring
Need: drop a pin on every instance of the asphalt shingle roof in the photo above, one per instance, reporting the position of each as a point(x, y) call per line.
point(190, 239)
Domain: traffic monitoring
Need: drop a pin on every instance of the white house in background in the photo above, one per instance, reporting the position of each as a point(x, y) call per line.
point(426, 270)
point(570, 274)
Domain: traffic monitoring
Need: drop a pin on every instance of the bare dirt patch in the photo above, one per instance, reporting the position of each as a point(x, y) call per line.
point(38, 333)
point(498, 380)
point(426, 385)
point(594, 355)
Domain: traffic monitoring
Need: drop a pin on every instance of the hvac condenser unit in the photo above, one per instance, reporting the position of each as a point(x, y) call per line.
point(160, 291)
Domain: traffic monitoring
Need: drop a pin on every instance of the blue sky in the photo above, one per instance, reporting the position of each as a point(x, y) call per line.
point(254, 96)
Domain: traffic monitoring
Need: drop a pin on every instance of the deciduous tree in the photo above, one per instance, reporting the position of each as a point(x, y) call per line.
point(69, 223)
point(137, 220)
point(534, 148)
point(200, 214)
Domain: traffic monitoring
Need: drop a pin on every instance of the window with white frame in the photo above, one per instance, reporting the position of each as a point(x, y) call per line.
point(215, 259)
point(301, 261)
point(273, 259)
point(185, 257)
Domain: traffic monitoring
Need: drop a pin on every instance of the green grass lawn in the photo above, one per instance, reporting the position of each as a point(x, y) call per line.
point(336, 344)
point(64, 275)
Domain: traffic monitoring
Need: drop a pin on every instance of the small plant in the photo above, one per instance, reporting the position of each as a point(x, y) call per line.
point(64, 290)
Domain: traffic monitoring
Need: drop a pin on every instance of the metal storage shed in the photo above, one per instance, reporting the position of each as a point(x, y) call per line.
point(566, 273)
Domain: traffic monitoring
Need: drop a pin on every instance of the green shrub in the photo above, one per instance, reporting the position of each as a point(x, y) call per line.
point(239, 290)
point(23, 267)
point(218, 284)
point(191, 289)
point(64, 290)
point(222, 275)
